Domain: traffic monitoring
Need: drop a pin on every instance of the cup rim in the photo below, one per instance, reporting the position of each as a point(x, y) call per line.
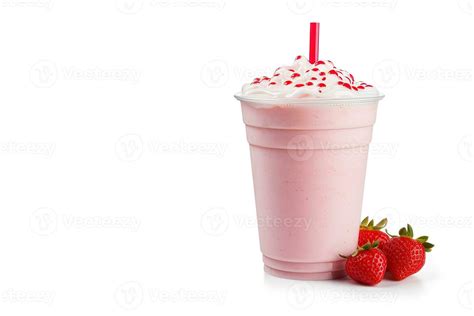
point(313, 101)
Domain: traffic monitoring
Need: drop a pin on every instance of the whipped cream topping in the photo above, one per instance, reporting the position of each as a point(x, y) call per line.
point(305, 80)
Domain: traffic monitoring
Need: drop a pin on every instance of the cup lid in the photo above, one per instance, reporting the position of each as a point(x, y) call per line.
point(315, 101)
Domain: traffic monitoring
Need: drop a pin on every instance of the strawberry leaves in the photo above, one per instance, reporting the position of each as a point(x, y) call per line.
point(367, 246)
point(428, 246)
point(408, 233)
point(370, 225)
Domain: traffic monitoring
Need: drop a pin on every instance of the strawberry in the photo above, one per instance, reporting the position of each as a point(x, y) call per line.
point(367, 264)
point(405, 255)
point(368, 233)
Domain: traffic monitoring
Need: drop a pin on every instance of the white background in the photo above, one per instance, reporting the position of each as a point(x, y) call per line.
point(125, 176)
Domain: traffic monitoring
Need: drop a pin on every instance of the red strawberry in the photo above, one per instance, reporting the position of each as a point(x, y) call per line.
point(405, 255)
point(367, 264)
point(368, 233)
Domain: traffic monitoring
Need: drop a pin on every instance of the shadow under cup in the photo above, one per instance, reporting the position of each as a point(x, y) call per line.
point(309, 161)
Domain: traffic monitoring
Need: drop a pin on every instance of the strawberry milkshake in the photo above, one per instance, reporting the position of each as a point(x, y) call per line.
point(309, 126)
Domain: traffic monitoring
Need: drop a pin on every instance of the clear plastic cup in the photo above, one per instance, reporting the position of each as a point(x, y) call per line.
point(309, 159)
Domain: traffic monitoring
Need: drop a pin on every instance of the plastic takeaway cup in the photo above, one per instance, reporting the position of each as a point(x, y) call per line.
point(309, 159)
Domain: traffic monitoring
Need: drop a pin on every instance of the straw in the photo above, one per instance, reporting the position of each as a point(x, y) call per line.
point(313, 42)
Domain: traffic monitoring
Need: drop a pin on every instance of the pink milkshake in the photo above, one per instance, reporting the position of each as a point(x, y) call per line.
point(309, 127)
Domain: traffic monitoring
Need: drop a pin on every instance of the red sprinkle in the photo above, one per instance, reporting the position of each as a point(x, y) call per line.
point(298, 57)
point(322, 85)
point(355, 88)
point(315, 69)
point(309, 83)
point(340, 83)
point(332, 72)
point(348, 86)
point(320, 63)
point(324, 78)
point(361, 87)
point(292, 70)
point(272, 82)
point(276, 75)
point(299, 85)
point(322, 73)
point(368, 85)
point(352, 77)
point(288, 82)
point(314, 78)
point(293, 76)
